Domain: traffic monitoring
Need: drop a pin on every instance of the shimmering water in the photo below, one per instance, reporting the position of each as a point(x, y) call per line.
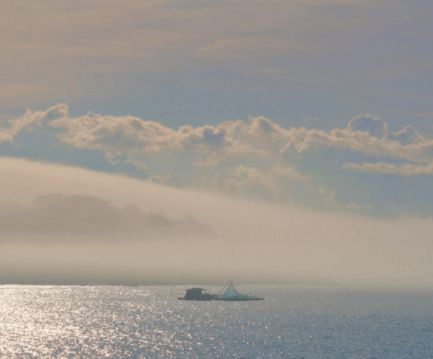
point(149, 322)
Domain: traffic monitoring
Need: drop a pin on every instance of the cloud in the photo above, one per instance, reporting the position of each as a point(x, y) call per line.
point(31, 120)
point(255, 157)
point(405, 169)
point(374, 126)
point(90, 56)
point(272, 184)
point(406, 136)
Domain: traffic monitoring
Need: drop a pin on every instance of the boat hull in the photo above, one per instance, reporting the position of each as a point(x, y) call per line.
point(228, 294)
point(239, 299)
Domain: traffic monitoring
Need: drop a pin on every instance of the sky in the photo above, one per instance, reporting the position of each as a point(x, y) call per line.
point(320, 108)
point(196, 62)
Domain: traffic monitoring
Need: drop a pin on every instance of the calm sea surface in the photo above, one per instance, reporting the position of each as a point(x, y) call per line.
point(149, 322)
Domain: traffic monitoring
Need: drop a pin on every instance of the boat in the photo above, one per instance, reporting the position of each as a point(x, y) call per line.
point(228, 293)
point(197, 294)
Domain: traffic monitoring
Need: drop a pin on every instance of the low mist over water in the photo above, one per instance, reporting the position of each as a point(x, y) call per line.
point(78, 226)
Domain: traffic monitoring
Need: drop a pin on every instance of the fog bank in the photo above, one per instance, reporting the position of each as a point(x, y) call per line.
point(249, 241)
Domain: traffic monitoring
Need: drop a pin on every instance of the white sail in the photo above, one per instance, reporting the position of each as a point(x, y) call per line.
point(230, 292)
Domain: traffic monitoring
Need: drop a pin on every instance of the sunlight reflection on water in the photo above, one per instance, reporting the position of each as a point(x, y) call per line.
point(148, 321)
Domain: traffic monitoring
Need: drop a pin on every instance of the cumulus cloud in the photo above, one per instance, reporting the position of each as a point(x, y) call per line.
point(256, 156)
point(374, 126)
point(31, 120)
point(258, 136)
point(406, 136)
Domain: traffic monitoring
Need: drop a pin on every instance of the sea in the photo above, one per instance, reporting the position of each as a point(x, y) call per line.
point(294, 321)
